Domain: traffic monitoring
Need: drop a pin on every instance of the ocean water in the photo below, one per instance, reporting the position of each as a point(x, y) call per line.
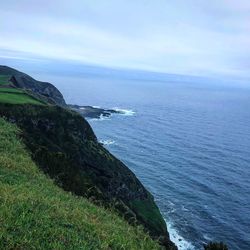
point(189, 144)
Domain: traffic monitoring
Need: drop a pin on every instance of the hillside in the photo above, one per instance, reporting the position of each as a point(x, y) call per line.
point(63, 145)
point(43, 90)
point(36, 214)
point(17, 96)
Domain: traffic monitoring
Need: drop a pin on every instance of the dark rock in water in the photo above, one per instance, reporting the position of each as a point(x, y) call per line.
point(44, 90)
point(49, 93)
point(93, 112)
point(215, 246)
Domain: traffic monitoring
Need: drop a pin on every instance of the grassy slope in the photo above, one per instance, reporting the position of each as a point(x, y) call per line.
point(4, 79)
point(11, 90)
point(15, 96)
point(10, 95)
point(36, 214)
point(82, 166)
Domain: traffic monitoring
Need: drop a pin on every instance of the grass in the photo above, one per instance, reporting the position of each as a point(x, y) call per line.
point(11, 90)
point(149, 212)
point(17, 96)
point(4, 80)
point(36, 214)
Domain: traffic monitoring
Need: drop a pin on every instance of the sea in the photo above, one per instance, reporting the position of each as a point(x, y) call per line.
point(187, 142)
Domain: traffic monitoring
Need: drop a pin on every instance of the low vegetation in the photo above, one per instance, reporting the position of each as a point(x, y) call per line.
point(37, 214)
point(63, 145)
point(15, 95)
point(4, 80)
point(50, 156)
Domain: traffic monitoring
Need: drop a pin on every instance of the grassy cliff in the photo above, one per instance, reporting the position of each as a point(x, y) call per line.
point(59, 187)
point(17, 96)
point(37, 214)
point(62, 144)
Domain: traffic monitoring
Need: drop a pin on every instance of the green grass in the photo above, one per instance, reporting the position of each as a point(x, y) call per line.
point(36, 214)
point(149, 212)
point(13, 95)
point(4, 79)
point(17, 96)
point(11, 90)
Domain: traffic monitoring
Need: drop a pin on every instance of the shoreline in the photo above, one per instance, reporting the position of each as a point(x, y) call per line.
point(93, 112)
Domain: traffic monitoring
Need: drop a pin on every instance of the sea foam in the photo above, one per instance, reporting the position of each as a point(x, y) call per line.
point(127, 112)
point(107, 142)
point(179, 241)
point(100, 118)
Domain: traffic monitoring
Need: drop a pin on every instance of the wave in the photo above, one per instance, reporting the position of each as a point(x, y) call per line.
point(123, 112)
point(126, 112)
point(101, 118)
point(107, 142)
point(179, 241)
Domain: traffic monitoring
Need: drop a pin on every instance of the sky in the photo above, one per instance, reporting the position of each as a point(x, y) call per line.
point(197, 37)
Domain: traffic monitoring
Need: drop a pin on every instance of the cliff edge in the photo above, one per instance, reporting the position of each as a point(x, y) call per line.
point(63, 145)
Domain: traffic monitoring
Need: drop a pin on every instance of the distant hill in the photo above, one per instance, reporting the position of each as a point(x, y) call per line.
point(24, 81)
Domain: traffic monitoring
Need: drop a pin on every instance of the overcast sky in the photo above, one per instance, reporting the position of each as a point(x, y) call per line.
point(200, 37)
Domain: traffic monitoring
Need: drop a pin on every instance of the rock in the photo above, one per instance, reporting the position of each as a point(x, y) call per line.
point(93, 112)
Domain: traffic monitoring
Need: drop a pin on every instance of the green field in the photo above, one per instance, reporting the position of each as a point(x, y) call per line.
point(13, 95)
point(11, 90)
point(17, 96)
point(37, 214)
point(4, 79)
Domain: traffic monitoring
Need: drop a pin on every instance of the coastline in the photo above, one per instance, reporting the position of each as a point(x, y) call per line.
point(99, 114)
point(64, 146)
point(95, 112)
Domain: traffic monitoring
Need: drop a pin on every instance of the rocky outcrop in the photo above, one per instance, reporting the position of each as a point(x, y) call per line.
point(93, 112)
point(215, 246)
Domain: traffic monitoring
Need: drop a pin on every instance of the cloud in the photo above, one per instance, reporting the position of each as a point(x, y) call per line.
point(205, 37)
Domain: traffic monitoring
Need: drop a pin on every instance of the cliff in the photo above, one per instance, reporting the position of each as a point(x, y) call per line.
point(37, 214)
point(63, 145)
